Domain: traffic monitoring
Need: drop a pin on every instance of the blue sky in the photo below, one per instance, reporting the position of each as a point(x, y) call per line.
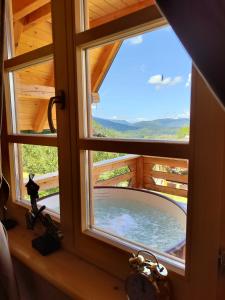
point(149, 79)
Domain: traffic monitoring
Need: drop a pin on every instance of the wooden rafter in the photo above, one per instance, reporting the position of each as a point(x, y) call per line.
point(121, 12)
point(23, 8)
point(104, 62)
point(35, 91)
point(42, 14)
point(29, 13)
point(18, 29)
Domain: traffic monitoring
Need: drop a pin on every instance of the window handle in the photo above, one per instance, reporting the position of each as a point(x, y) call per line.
point(59, 99)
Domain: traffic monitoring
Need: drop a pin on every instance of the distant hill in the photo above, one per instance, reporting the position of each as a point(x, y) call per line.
point(164, 125)
point(113, 124)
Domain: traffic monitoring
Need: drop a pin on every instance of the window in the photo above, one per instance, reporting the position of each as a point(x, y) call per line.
point(31, 86)
point(128, 99)
point(86, 161)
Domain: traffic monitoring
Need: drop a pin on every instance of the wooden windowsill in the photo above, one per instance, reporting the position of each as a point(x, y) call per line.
point(68, 273)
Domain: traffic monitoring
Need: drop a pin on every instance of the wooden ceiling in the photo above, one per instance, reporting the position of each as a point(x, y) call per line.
point(32, 30)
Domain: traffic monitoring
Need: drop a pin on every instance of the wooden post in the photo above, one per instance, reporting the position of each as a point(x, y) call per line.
point(139, 172)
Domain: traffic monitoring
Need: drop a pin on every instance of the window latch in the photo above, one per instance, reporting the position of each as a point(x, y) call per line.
point(59, 99)
point(221, 261)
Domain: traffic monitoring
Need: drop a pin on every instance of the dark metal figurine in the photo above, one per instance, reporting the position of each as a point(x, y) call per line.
point(4, 196)
point(50, 240)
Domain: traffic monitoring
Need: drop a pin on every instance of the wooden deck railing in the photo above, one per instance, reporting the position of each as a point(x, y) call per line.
point(166, 175)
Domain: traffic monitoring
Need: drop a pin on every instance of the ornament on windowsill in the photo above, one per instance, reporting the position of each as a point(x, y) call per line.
point(4, 196)
point(50, 241)
point(148, 279)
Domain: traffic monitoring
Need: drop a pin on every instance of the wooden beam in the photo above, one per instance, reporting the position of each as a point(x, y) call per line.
point(121, 12)
point(167, 176)
point(165, 161)
point(143, 20)
point(103, 64)
point(33, 139)
point(33, 57)
point(141, 147)
point(18, 29)
point(115, 180)
point(115, 163)
point(22, 8)
point(42, 14)
point(35, 91)
point(166, 189)
point(139, 172)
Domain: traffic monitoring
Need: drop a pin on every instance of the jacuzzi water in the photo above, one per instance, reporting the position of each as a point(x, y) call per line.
point(138, 222)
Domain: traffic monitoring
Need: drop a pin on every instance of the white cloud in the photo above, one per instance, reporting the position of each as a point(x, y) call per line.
point(94, 106)
point(155, 79)
point(114, 117)
point(188, 82)
point(158, 80)
point(136, 40)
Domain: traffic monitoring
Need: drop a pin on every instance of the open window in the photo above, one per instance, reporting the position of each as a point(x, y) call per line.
point(30, 85)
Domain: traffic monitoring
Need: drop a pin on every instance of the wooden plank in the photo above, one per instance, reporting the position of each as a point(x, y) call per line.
point(139, 172)
point(32, 139)
point(180, 163)
point(120, 13)
point(167, 176)
point(115, 180)
point(145, 19)
point(21, 8)
point(152, 148)
point(103, 64)
point(167, 190)
point(35, 91)
point(18, 29)
point(43, 14)
point(63, 264)
point(159, 181)
point(112, 167)
point(39, 55)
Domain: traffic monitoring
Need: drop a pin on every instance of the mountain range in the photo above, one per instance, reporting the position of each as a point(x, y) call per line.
point(158, 124)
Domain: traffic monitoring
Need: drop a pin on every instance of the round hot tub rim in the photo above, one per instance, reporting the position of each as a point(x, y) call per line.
point(180, 244)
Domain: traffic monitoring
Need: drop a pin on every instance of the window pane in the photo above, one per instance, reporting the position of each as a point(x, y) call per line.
point(100, 12)
point(140, 88)
point(32, 25)
point(140, 199)
point(42, 161)
point(33, 87)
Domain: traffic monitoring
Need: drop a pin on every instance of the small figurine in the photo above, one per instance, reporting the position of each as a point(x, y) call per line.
point(4, 196)
point(50, 240)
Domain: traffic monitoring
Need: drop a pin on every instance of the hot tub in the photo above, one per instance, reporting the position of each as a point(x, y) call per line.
point(141, 216)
